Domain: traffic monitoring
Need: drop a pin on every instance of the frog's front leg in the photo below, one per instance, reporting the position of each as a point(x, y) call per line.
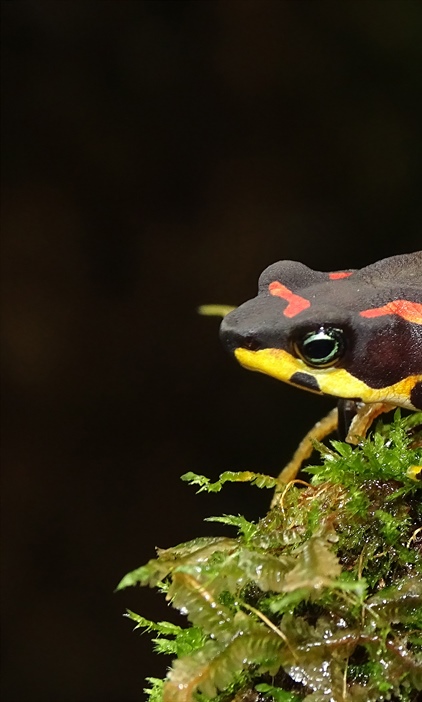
point(355, 418)
point(351, 418)
point(318, 432)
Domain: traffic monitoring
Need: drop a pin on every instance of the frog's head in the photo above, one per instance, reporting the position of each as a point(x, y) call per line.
point(314, 330)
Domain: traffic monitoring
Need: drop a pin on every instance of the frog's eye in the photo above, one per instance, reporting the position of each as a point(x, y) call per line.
point(321, 348)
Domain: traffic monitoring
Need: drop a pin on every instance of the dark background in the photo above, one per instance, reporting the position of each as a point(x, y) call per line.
point(156, 156)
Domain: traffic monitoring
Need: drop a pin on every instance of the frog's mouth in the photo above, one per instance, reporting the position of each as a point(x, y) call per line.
point(335, 381)
point(279, 364)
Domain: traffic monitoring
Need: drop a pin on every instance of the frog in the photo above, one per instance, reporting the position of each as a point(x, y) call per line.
point(354, 334)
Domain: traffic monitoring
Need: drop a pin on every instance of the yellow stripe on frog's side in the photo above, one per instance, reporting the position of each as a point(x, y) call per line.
point(332, 381)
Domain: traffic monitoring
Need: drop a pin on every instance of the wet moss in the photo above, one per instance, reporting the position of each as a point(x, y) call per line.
point(320, 600)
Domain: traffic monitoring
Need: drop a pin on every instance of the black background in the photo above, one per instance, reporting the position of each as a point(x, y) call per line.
point(156, 156)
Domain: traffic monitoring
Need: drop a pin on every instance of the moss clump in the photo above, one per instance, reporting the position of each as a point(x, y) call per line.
point(319, 601)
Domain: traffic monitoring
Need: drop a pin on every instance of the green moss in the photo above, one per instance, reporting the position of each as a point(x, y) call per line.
point(320, 600)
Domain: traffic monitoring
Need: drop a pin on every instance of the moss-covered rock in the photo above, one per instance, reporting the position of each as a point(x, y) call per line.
point(320, 601)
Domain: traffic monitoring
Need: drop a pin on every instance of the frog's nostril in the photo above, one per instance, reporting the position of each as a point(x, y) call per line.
point(250, 342)
point(233, 338)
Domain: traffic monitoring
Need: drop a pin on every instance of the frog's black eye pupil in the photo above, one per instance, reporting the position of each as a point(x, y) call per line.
point(321, 348)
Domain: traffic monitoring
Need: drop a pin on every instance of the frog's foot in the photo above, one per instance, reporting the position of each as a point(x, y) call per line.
point(415, 472)
point(363, 419)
